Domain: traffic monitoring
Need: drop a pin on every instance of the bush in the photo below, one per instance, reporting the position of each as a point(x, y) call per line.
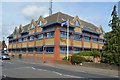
point(65, 58)
point(95, 53)
point(89, 60)
point(75, 59)
point(88, 53)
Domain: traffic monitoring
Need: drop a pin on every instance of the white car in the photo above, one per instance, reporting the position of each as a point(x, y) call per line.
point(4, 56)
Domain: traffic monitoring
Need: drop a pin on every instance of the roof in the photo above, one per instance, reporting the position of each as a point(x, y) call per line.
point(57, 17)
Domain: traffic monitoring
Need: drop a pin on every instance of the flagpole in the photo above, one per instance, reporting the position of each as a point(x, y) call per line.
point(67, 38)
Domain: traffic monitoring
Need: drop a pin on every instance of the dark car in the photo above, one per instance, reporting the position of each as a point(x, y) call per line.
point(4, 56)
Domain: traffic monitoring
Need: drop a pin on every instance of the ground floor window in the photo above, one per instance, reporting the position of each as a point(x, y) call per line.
point(50, 49)
point(18, 50)
point(10, 50)
point(24, 50)
point(63, 49)
point(77, 50)
point(14, 50)
point(39, 49)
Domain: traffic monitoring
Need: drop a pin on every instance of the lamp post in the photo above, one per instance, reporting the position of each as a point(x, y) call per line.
point(67, 40)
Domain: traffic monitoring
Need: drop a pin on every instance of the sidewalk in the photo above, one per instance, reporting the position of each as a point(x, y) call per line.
point(76, 68)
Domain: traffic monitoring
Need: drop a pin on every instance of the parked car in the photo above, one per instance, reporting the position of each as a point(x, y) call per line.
point(4, 56)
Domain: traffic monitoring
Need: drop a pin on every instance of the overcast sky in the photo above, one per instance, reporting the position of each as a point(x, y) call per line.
point(15, 13)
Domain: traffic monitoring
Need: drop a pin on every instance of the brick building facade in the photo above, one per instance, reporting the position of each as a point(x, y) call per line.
point(46, 38)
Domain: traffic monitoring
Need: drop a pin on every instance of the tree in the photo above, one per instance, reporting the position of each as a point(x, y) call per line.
point(111, 49)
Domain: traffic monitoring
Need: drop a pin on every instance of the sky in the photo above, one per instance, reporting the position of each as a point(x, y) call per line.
point(15, 13)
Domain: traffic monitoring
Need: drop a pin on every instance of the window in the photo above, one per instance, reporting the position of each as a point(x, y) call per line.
point(10, 42)
point(40, 23)
point(63, 49)
point(14, 50)
point(31, 38)
point(94, 39)
point(86, 38)
point(101, 41)
point(40, 49)
point(24, 39)
point(18, 50)
point(23, 50)
point(20, 30)
point(40, 36)
point(30, 49)
point(64, 34)
point(77, 37)
point(19, 40)
point(51, 49)
point(77, 23)
point(15, 32)
point(32, 26)
point(77, 50)
point(101, 31)
point(14, 41)
point(50, 35)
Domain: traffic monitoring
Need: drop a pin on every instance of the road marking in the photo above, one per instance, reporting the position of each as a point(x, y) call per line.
point(33, 68)
point(73, 76)
point(56, 72)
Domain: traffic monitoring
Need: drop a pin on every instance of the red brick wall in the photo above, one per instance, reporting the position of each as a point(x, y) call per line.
point(57, 42)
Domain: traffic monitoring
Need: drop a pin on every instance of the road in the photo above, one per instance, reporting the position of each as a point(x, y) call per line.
point(30, 70)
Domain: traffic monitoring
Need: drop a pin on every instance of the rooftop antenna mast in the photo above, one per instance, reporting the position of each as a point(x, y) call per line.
point(50, 8)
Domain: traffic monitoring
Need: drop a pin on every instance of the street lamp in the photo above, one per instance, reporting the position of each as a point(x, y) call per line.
point(67, 22)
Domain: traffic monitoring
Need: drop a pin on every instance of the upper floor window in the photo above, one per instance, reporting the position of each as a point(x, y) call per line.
point(14, 41)
point(100, 31)
point(19, 40)
point(40, 23)
point(10, 42)
point(102, 41)
point(20, 30)
point(50, 34)
point(40, 36)
point(24, 39)
point(77, 37)
point(31, 38)
point(86, 38)
point(94, 39)
point(32, 26)
point(77, 23)
point(64, 34)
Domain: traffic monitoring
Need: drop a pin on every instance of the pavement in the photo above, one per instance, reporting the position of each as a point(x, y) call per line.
point(22, 68)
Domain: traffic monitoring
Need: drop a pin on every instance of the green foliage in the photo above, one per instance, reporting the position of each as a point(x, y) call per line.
point(75, 59)
point(96, 53)
point(111, 50)
point(88, 60)
point(65, 58)
point(88, 53)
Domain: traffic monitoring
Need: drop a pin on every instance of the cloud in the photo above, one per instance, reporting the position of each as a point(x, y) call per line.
point(33, 12)
point(6, 30)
